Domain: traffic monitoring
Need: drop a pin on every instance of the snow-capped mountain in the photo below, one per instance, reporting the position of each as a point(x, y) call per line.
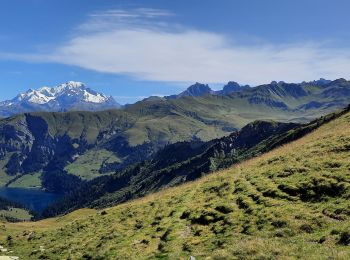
point(68, 96)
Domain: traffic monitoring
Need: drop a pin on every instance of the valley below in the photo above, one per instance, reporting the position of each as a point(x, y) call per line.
point(32, 199)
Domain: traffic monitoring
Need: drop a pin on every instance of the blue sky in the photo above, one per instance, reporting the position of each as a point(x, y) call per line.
point(134, 49)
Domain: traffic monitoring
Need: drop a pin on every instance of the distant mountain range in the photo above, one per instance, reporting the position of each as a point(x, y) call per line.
point(68, 96)
point(317, 94)
point(76, 96)
point(62, 148)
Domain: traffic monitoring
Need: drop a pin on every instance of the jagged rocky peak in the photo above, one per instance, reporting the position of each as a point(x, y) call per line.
point(195, 90)
point(232, 86)
point(279, 83)
point(198, 89)
point(319, 82)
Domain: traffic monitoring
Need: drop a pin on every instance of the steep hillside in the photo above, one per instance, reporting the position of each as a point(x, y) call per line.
point(292, 202)
point(175, 164)
point(183, 162)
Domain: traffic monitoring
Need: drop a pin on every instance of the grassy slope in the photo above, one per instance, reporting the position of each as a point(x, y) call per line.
point(31, 180)
point(17, 214)
point(290, 203)
point(87, 166)
point(12, 211)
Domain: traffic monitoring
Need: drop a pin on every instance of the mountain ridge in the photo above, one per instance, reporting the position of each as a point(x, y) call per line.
point(73, 96)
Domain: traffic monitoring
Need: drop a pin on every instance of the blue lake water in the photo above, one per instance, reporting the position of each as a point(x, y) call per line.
point(33, 199)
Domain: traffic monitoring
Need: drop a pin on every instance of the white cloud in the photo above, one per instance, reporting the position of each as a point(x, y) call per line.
point(140, 44)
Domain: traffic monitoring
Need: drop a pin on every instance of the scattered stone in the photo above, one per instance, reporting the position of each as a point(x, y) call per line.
point(9, 240)
point(344, 238)
point(31, 236)
point(322, 240)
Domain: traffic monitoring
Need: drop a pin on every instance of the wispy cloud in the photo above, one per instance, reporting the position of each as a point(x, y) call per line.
point(142, 44)
point(136, 13)
point(115, 19)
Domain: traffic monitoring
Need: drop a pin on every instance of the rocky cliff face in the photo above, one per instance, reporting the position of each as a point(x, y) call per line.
point(28, 145)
